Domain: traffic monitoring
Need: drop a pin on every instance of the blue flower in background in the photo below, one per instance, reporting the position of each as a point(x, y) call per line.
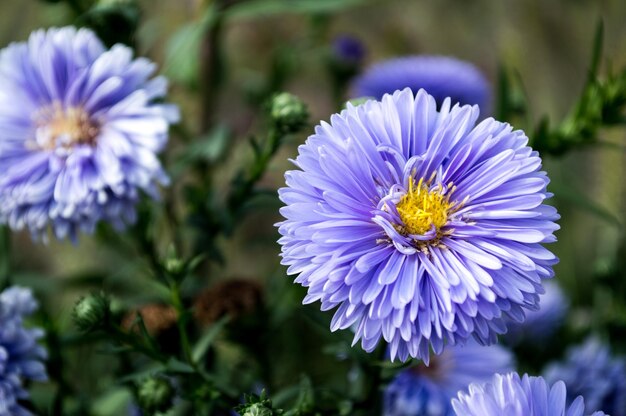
point(20, 354)
point(79, 132)
point(428, 391)
point(591, 371)
point(511, 395)
point(440, 76)
point(419, 226)
point(348, 50)
point(541, 324)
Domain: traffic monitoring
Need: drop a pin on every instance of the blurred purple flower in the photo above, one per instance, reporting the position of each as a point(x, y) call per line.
point(440, 76)
point(420, 226)
point(541, 324)
point(79, 132)
point(20, 355)
point(428, 391)
point(348, 50)
point(511, 395)
point(591, 371)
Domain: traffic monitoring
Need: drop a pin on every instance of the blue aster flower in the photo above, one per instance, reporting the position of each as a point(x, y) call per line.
point(440, 76)
point(592, 371)
point(79, 132)
point(511, 395)
point(542, 323)
point(20, 354)
point(428, 391)
point(420, 227)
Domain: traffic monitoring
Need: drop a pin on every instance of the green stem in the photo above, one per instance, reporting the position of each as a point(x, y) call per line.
point(5, 256)
point(181, 322)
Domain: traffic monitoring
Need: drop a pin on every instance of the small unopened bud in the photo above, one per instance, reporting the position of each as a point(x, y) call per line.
point(257, 409)
point(92, 312)
point(288, 112)
point(155, 395)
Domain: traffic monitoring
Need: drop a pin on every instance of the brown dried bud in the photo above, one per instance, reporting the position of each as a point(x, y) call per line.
point(157, 319)
point(235, 297)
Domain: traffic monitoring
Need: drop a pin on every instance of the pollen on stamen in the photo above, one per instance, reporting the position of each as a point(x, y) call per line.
point(423, 207)
point(60, 127)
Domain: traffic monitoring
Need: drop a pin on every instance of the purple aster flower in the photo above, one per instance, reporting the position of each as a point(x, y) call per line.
point(79, 132)
point(542, 323)
point(427, 391)
point(20, 354)
point(511, 395)
point(591, 371)
point(440, 76)
point(419, 226)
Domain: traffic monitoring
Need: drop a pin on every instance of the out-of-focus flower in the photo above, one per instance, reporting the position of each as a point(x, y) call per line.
point(79, 132)
point(591, 371)
point(541, 324)
point(428, 391)
point(422, 227)
point(511, 395)
point(440, 76)
point(348, 51)
point(20, 354)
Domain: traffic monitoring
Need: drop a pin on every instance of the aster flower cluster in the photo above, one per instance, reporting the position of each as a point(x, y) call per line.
point(80, 133)
point(428, 391)
point(514, 396)
point(20, 354)
point(420, 227)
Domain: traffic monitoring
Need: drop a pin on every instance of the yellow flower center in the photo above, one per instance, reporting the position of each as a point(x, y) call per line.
point(421, 208)
point(64, 127)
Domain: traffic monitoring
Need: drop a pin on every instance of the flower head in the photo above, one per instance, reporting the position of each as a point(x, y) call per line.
point(514, 396)
point(419, 226)
point(427, 391)
point(440, 76)
point(542, 323)
point(591, 371)
point(20, 355)
point(79, 132)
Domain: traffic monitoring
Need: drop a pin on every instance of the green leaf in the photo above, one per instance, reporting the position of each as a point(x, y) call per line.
point(203, 344)
point(178, 366)
point(205, 149)
point(182, 50)
point(263, 8)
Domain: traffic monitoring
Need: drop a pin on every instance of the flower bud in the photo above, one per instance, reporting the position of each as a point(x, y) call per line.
point(288, 112)
point(92, 312)
point(155, 394)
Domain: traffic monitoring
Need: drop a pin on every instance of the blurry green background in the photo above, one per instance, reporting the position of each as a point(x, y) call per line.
point(547, 42)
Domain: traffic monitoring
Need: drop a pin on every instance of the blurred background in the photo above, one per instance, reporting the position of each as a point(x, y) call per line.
point(546, 45)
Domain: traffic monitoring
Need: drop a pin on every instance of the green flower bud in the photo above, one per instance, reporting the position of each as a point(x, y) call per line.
point(155, 394)
point(288, 112)
point(92, 312)
point(257, 409)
